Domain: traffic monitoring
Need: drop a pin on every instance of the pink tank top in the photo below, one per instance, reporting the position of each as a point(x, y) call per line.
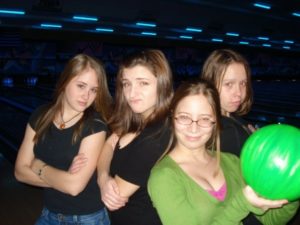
point(219, 194)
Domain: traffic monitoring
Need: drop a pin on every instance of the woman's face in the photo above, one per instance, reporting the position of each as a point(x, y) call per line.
point(81, 91)
point(233, 88)
point(195, 135)
point(140, 89)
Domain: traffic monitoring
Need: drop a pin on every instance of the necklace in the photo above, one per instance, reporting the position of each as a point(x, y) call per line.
point(62, 125)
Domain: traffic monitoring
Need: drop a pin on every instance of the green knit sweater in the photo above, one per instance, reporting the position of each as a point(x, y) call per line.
point(179, 200)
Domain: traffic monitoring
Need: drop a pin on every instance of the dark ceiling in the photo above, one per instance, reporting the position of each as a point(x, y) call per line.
point(214, 17)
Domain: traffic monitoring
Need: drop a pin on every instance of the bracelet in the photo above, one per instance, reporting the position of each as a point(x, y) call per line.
point(41, 170)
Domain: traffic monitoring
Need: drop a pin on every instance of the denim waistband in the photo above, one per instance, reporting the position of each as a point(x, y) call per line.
point(73, 218)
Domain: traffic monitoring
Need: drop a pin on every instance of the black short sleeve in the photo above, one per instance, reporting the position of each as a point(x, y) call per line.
point(134, 162)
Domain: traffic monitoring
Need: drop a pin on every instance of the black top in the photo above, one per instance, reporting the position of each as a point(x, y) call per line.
point(234, 133)
point(57, 150)
point(133, 164)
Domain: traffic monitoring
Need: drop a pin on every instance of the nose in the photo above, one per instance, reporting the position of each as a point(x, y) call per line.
point(238, 90)
point(194, 127)
point(86, 94)
point(133, 90)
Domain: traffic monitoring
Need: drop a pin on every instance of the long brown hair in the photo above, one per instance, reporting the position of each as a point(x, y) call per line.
point(123, 119)
point(215, 67)
point(73, 68)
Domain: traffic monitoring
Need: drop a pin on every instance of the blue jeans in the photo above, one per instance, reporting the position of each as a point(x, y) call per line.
point(49, 218)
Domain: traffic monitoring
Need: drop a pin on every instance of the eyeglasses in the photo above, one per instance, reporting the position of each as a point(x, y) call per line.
point(202, 122)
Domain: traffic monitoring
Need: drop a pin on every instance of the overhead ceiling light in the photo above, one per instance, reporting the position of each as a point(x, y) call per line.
point(104, 29)
point(296, 14)
point(262, 5)
point(244, 42)
point(85, 18)
point(193, 29)
point(149, 33)
point(263, 38)
point(48, 25)
point(288, 41)
point(266, 45)
point(145, 24)
point(217, 40)
point(12, 12)
point(286, 47)
point(186, 37)
point(232, 34)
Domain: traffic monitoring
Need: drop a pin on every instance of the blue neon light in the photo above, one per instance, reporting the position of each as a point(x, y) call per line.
point(244, 42)
point(217, 40)
point(193, 29)
point(286, 47)
point(186, 37)
point(296, 14)
point(262, 6)
point(232, 34)
point(105, 29)
point(48, 25)
point(288, 41)
point(14, 12)
point(267, 45)
point(144, 24)
point(86, 18)
point(149, 33)
point(263, 38)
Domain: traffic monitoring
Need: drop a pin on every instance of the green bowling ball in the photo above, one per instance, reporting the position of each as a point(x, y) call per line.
point(270, 162)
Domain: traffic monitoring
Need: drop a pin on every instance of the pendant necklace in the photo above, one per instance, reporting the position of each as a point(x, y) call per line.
point(63, 123)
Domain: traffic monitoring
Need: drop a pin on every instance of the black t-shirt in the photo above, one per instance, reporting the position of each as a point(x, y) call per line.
point(234, 133)
point(56, 149)
point(133, 163)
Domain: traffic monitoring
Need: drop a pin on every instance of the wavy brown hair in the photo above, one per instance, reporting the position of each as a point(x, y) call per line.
point(123, 119)
point(102, 104)
point(215, 67)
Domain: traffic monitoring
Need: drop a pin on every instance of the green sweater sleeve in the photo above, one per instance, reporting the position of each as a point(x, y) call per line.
point(169, 198)
point(279, 216)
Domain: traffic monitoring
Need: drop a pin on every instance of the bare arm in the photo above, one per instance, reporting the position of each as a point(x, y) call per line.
point(73, 183)
point(23, 171)
point(110, 193)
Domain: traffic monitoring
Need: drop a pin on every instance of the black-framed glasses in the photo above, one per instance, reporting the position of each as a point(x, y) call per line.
point(201, 122)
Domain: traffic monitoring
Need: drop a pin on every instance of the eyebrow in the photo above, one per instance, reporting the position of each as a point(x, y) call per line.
point(78, 81)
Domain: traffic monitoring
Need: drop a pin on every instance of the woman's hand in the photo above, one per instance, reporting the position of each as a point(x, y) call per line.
point(262, 203)
point(78, 163)
point(110, 194)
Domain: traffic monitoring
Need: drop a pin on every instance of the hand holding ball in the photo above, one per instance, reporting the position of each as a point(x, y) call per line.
point(270, 162)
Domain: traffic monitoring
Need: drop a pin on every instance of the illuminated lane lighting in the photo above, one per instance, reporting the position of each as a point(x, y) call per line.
point(86, 18)
point(296, 14)
point(267, 45)
point(13, 12)
point(288, 41)
point(149, 33)
point(232, 34)
point(144, 24)
point(286, 47)
point(262, 6)
point(244, 42)
point(48, 25)
point(217, 40)
point(192, 29)
point(105, 29)
point(186, 37)
point(263, 38)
